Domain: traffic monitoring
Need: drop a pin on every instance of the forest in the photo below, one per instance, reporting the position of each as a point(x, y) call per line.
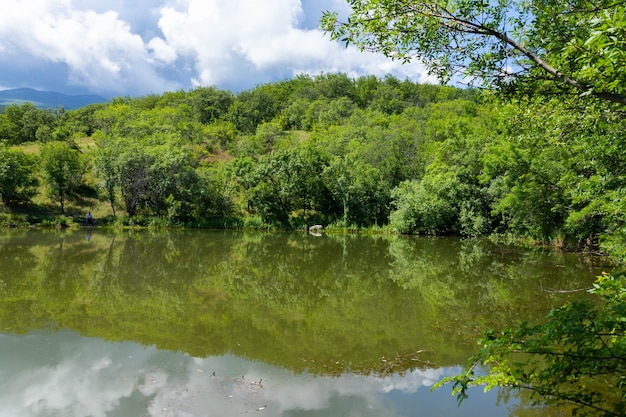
point(349, 154)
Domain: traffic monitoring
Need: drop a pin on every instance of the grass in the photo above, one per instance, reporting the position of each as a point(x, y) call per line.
point(42, 210)
point(29, 147)
point(84, 144)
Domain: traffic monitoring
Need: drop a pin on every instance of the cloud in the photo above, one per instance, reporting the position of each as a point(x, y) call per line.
point(226, 36)
point(99, 50)
point(267, 39)
point(161, 51)
point(139, 47)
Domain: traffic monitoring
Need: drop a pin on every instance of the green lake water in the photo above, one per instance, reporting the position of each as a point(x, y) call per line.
point(201, 323)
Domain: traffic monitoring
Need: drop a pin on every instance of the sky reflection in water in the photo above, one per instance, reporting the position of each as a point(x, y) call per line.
point(259, 311)
point(65, 374)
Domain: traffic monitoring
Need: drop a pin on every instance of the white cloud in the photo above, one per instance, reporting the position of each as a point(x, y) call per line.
point(217, 34)
point(161, 51)
point(138, 47)
point(99, 49)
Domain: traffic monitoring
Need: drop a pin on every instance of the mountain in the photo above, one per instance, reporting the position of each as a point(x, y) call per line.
point(46, 99)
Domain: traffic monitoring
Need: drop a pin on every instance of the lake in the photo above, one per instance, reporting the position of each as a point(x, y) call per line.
point(205, 323)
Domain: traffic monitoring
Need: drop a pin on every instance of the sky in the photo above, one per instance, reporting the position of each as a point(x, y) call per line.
point(138, 47)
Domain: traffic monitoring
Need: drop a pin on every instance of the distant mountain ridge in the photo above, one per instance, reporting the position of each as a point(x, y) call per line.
point(47, 99)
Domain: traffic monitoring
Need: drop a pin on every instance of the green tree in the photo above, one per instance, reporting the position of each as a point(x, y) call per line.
point(429, 206)
point(308, 191)
point(219, 134)
point(528, 45)
point(133, 169)
point(336, 112)
point(210, 104)
point(44, 134)
point(267, 134)
point(106, 166)
point(360, 189)
point(526, 172)
point(33, 120)
point(171, 180)
point(293, 115)
point(63, 169)
point(388, 98)
point(270, 196)
point(288, 183)
point(21, 123)
point(334, 86)
point(77, 123)
point(17, 179)
point(251, 108)
point(242, 171)
point(391, 144)
point(12, 125)
point(552, 173)
point(447, 196)
point(214, 193)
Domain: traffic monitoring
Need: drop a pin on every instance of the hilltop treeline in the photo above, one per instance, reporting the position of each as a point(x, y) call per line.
point(331, 150)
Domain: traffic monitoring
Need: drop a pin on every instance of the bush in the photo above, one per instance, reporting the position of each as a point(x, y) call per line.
point(421, 209)
point(60, 222)
point(256, 223)
point(13, 221)
point(133, 221)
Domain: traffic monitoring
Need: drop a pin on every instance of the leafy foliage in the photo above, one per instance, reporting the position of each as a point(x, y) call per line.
point(17, 180)
point(577, 357)
point(26, 123)
point(63, 168)
point(528, 46)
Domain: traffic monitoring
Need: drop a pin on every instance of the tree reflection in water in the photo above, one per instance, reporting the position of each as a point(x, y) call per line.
point(338, 316)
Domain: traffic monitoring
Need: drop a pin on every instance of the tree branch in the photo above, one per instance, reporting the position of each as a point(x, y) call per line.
point(469, 26)
point(481, 29)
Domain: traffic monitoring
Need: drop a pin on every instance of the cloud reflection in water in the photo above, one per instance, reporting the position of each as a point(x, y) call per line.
point(64, 374)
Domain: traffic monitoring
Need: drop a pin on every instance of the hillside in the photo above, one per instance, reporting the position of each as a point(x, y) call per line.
point(326, 150)
point(47, 99)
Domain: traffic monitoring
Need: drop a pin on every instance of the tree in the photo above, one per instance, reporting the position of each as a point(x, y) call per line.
point(134, 166)
point(17, 181)
point(106, 166)
point(576, 358)
point(286, 182)
point(428, 206)
point(251, 108)
point(172, 180)
point(80, 122)
point(359, 188)
point(334, 86)
point(524, 45)
point(210, 104)
point(304, 166)
point(11, 125)
point(214, 194)
point(63, 168)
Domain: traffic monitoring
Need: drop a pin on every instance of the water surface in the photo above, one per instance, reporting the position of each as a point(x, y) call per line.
point(204, 323)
